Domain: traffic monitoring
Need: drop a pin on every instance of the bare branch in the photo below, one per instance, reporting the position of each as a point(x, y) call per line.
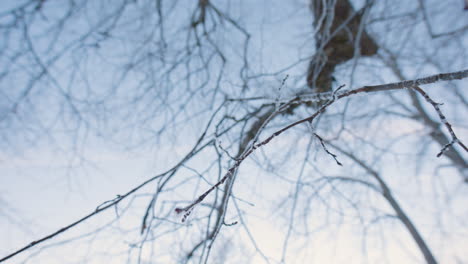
point(443, 119)
point(366, 89)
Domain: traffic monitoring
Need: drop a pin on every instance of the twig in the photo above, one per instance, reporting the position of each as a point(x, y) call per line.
point(108, 204)
point(443, 119)
point(326, 150)
point(366, 89)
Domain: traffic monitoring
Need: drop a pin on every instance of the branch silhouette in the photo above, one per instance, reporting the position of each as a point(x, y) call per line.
point(409, 84)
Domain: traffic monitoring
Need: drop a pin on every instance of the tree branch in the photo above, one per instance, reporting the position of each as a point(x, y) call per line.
point(366, 89)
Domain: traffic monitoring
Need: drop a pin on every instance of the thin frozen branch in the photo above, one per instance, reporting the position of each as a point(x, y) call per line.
point(114, 202)
point(443, 119)
point(317, 97)
point(198, 147)
point(410, 83)
point(336, 96)
point(326, 149)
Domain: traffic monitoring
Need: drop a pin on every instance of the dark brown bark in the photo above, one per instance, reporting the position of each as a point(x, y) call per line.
point(338, 28)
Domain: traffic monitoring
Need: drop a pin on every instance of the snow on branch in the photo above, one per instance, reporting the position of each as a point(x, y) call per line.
point(410, 84)
point(335, 97)
point(443, 119)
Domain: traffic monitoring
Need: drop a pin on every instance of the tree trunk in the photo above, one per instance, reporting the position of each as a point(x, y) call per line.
point(339, 33)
